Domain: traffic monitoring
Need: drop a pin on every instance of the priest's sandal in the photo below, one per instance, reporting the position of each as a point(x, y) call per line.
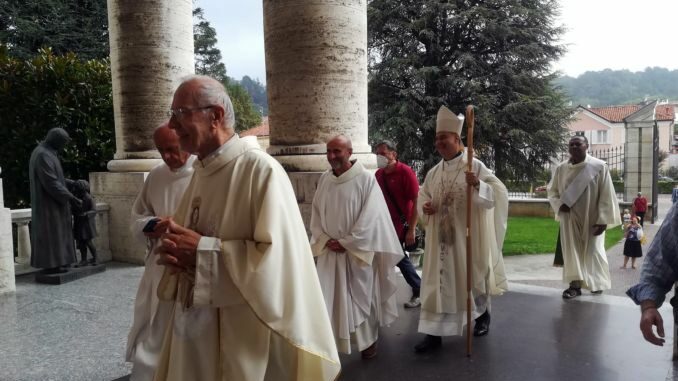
point(571, 293)
point(482, 326)
point(429, 343)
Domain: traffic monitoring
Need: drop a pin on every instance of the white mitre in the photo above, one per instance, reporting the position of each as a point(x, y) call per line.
point(448, 122)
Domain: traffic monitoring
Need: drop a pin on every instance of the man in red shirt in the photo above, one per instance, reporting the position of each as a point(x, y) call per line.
point(401, 189)
point(640, 207)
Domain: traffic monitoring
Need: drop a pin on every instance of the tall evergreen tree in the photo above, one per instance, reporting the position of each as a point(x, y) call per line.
point(207, 55)
point(79, 26)
point(494, 54)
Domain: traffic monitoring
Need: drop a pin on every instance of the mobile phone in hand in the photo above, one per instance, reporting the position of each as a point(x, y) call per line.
point(150, 225)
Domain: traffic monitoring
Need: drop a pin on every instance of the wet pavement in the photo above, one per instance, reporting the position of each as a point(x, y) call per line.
point(78, 331)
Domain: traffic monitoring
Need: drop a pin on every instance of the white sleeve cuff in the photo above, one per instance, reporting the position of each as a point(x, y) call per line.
point(209, 248)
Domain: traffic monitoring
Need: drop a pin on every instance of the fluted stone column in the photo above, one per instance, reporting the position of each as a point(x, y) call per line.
point(7, 284)
point(151, 51)
point(316, 78)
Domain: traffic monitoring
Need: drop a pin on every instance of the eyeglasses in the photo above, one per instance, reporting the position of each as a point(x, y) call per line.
point(183, 112)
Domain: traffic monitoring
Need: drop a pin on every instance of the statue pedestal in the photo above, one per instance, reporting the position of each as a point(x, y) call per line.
point(119, 190)
point(72, 274)
point(304, 185)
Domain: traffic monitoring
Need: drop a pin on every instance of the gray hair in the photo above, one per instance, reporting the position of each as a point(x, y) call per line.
point(388, 144)
point(212, 92)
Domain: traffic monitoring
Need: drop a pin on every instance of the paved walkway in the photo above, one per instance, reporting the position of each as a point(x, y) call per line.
point(538, 270)
point(78, 331)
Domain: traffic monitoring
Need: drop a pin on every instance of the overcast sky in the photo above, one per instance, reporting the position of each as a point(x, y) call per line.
point(615, 34)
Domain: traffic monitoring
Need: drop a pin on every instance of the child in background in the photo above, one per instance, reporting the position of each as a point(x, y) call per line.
point(84, 227)
point(632, 248)
point(626, 219)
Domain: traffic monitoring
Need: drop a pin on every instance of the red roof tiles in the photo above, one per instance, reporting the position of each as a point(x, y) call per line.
point(664, 112)
point(615, 113)
point(260, 130)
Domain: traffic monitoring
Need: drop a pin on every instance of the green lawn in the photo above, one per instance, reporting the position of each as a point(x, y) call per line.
point(537, 235)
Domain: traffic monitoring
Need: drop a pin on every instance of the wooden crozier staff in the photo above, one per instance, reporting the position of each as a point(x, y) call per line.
point(469, 200)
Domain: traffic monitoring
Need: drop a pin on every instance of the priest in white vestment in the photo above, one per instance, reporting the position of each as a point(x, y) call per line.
point(442, 205)
point(159, 197)
point(357, 248)
point(239, 268)
point(582, 196)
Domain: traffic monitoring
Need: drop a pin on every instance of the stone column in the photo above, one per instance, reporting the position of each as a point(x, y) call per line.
point(638, 160)
point(316, 78)
point(7, 284)
point(151, 51)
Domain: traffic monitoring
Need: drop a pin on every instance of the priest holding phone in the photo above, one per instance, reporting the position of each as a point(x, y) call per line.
point(159, 197)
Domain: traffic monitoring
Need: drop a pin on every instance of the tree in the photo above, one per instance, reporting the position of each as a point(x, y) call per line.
point(208, 62)
point(79, 26)
point(246, 115)
point(614, 87)
point(258, 93)
point(53, 91)
point(207, 55)
point(494, 54)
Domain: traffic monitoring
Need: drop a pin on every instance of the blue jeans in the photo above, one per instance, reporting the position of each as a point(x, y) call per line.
point(410, 275)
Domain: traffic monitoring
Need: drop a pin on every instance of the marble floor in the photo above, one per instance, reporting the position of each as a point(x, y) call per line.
point(77, 331)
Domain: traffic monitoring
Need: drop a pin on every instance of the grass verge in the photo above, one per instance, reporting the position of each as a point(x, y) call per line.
point(538, 235)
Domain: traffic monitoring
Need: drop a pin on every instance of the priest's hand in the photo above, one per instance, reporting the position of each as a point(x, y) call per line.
point(160, 228)
point(599, 229)
point(564, 208)
point(335, 246)
point(178, 248)
point(650, 317)
point(472, 179)
point(428, 208)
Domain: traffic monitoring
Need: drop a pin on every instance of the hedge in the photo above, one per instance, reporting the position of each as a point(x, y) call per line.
point(53, 91)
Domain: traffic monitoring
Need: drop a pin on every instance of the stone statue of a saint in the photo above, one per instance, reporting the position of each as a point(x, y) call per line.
point(51, 229)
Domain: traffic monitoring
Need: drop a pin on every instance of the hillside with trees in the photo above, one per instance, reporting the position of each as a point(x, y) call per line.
point(614, 87)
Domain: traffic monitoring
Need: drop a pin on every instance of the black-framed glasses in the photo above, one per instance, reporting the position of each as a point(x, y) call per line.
point(182, 112)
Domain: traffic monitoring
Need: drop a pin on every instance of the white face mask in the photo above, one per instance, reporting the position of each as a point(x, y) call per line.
point(382, 161)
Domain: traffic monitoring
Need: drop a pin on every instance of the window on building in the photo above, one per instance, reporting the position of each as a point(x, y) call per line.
point(600, 137)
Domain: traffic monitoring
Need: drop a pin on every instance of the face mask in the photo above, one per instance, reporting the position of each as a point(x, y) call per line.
point(382, 161)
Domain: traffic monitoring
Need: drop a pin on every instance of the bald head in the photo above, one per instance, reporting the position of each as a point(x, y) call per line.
point(343, 140)
point(339, 151)
point(167, 142)
point(164, 132)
